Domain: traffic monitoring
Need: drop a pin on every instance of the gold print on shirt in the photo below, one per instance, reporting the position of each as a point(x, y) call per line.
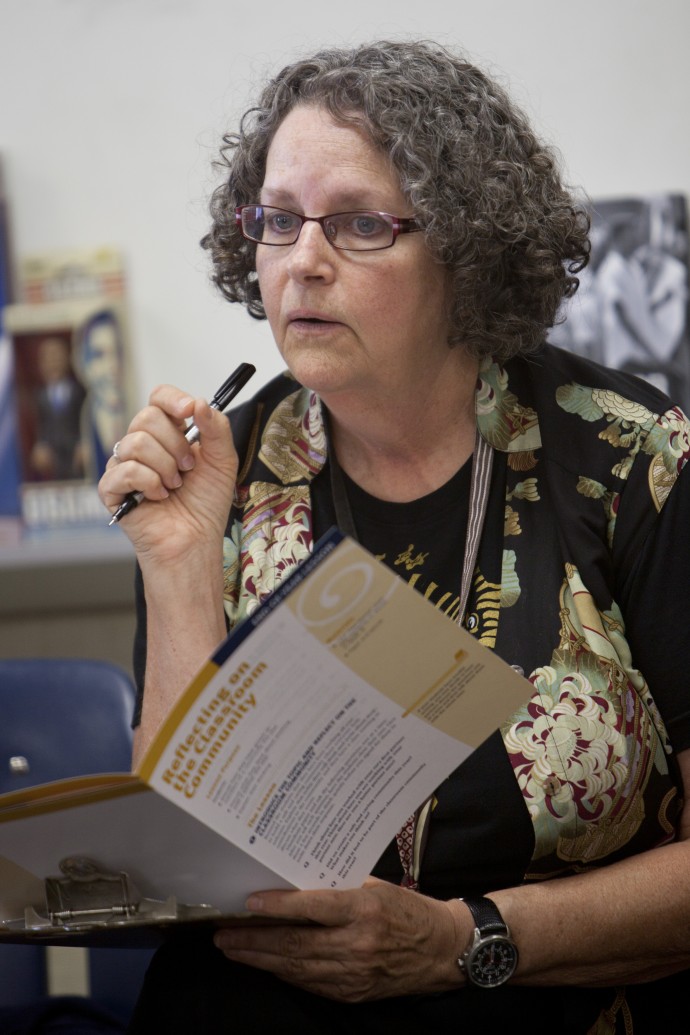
point(489, 598)
point(526, 490)
point(448, 603)
point(408, 560)
point(523, 461)
point(629, 422)
point(482, 622)
point(511, 525)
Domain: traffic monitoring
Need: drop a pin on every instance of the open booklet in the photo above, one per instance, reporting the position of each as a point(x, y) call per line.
point(302, 746)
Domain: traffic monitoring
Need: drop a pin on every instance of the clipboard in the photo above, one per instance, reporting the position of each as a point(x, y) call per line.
point(89, 906)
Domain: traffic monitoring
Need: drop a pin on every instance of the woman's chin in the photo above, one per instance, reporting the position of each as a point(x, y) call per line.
point(319, 373)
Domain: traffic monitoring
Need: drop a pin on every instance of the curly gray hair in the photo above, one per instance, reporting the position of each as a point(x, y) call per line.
point(487, 192)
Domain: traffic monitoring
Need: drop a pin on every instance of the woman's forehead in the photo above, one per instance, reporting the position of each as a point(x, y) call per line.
point(312, 154)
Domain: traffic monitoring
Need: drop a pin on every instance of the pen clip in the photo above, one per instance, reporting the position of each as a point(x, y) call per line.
point(232, 386)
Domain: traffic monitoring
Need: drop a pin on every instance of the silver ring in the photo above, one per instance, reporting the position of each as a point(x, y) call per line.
point(116, 455)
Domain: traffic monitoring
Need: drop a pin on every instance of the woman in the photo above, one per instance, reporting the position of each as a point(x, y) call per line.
point(413, 330)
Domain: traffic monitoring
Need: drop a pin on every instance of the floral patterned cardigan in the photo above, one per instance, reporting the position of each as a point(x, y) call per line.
point(581, 568)
point(587, 467)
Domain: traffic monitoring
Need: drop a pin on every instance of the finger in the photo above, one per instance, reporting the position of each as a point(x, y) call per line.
point(164, 453)
point(295, 941)
point(330, 908)
point(171, 400)
point(148, 461)
point(214, 433)
point(153, 423)
point(131, 476)
point(180, 407)
point(212, 428)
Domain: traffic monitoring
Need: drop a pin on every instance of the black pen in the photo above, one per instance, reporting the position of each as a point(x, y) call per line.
point(223, 397)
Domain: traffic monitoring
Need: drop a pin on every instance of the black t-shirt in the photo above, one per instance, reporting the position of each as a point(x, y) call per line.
point(423, 542)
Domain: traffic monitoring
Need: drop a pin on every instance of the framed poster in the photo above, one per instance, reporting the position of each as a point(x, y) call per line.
point(631, 310)
point(71, 403)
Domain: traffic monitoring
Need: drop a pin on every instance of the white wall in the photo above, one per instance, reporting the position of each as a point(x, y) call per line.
point(111, 111)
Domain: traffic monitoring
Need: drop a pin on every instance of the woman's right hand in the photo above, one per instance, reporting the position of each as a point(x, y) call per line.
point(187, 488)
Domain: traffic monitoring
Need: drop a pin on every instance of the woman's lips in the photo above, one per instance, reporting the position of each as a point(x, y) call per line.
point(310, 324)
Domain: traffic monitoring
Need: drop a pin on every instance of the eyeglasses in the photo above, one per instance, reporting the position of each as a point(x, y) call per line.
point(348, 231)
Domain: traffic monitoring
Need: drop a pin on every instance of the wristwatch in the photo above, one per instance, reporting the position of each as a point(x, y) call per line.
point(492, 956)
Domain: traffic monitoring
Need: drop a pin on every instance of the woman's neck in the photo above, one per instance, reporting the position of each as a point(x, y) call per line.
point(403, 445)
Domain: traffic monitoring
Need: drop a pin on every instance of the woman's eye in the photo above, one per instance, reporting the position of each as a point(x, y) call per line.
point(366, 225)
point(281, 222)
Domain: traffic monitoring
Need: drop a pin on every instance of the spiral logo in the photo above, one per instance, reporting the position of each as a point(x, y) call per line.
point(329, 599)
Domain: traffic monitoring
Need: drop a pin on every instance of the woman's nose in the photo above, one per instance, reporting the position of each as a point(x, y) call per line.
point(311, 255)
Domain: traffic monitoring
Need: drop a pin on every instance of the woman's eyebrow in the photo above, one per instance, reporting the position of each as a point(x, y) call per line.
point(345, 201)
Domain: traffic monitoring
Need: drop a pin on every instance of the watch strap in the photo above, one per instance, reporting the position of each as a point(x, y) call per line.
point(486, 916)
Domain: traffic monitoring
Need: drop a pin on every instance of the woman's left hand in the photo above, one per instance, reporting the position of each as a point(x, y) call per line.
point(372, 942)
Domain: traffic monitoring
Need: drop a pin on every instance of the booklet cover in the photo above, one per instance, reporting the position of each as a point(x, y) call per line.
point(293, 758)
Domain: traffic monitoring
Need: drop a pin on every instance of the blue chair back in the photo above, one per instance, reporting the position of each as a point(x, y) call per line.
point(62, 717)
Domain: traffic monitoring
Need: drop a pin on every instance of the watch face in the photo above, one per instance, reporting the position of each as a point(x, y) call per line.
point(492, 962)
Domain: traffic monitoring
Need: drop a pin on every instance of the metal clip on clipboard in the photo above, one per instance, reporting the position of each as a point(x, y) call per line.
point(88, 898)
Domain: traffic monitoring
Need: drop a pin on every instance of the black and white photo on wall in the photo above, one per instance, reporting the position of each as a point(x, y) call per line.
point(631, 309)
